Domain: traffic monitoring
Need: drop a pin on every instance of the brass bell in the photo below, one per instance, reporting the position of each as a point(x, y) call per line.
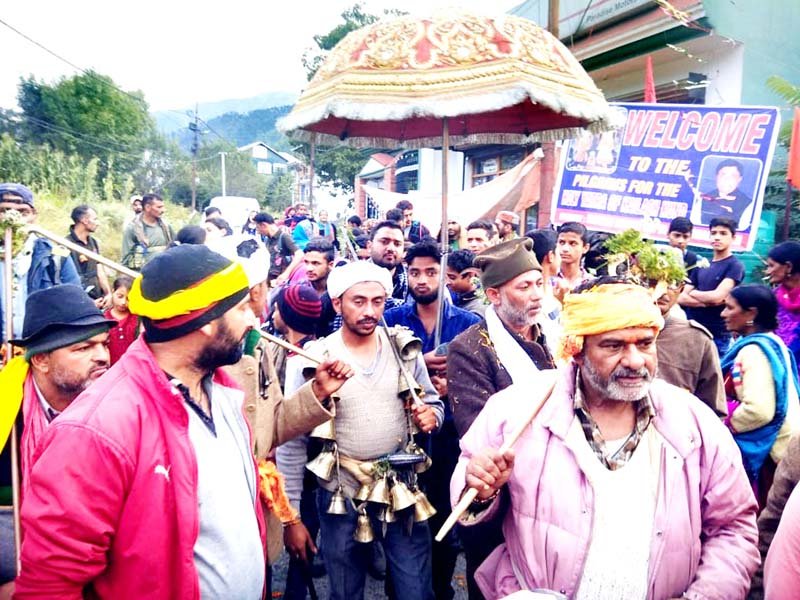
point(322, 465)
point(363, 532)
point(408, 345)
point(387, 515)
point(380, 492)
point(423, 509)
point(363, 494)
point(338, 503)
point(402, 497)
point(324, 431)
point(423, 466)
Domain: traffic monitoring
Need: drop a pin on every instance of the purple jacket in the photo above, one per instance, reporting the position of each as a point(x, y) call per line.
point(704, 532)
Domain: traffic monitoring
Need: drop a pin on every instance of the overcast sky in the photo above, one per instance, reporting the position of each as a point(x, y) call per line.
point(180, 52)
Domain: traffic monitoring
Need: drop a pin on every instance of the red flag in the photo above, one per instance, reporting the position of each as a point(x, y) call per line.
point(649, 82)
point(793, 170)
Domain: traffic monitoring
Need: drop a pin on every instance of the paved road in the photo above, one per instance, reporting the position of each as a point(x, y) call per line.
point(374, 588)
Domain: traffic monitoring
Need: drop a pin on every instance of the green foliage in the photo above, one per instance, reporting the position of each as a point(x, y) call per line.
point(43, 168)
point(54, 210)
point(629, 253)
point(627, 242)
point(791, 94)
point(338, 166)
point(353, 18)
point(256, 125)
point(241, 176)
point(775, 190)
point(656, 264)
point(89, 116)
point(278, 194)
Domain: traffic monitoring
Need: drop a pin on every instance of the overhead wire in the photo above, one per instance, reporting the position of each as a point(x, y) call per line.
point(89, 139)
point(137, 155)
point(86, 72)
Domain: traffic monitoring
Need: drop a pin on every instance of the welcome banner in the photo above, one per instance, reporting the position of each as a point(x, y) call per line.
point(670, 160)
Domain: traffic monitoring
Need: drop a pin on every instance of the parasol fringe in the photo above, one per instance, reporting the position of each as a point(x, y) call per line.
point(599, 119)
point(455, 140)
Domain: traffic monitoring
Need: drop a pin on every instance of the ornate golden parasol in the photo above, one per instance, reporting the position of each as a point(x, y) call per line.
point(496, 80)
point(451, 79)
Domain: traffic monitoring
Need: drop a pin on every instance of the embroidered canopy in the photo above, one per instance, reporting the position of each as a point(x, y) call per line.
point(497, 80)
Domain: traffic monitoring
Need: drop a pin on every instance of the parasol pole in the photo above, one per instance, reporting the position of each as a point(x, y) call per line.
point(8, 292)
point(437, 338)
point(312, 153)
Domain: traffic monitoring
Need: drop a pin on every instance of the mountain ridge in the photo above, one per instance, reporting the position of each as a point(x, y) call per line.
point(173, 120)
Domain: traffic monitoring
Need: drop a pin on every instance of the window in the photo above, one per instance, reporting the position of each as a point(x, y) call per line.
point(488, 166)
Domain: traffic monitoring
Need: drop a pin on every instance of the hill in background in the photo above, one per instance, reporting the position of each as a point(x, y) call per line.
point(169, 121)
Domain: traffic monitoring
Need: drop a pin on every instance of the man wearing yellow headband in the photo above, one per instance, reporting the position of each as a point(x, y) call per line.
point(147, 487)
point(623, 486)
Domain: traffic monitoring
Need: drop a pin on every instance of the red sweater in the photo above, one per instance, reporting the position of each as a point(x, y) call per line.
point(112, 502)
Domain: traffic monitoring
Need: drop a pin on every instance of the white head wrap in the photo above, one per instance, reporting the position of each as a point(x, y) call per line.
point(256, 266)
point(343, 278)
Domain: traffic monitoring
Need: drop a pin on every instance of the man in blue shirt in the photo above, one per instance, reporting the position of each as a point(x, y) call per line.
point(37, 265)
point(704, 298)
point(420, 315)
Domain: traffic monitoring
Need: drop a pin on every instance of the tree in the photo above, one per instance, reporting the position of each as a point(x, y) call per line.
point(241, 177)
point(775, 190)
point(354, 18)
point(278, 193)
point(90, 116)
point(791, 94)
point(339, 165)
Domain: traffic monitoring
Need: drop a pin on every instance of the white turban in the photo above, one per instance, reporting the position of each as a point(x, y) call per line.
point(343, 278)
point(256, 264)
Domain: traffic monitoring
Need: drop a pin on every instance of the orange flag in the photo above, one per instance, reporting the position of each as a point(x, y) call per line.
point(793, 171)
point(649, 82)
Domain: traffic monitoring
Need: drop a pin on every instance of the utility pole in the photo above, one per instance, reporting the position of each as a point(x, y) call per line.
point(222, 158)
point(193, 127)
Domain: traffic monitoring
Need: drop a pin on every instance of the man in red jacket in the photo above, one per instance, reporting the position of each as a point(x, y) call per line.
point(146, 487)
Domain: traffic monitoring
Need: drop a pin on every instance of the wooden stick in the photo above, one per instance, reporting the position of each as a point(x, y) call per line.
point(8, 291)
point(81, 250)
point(131, 273)
point(472, 493)
point(290, 347)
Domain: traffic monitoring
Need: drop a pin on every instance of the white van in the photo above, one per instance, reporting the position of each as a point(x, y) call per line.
point(235, 209)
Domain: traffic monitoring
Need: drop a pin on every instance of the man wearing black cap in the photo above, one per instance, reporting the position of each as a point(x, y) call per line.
point(147, 486)
point(65, 338)
point(296, 311)
point(37, 265)
point(504, 348)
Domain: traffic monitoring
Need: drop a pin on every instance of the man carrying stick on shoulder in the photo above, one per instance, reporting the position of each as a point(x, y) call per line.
point(624, 486)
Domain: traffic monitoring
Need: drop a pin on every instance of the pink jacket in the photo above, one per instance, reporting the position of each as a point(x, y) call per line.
point(34, 425)
point(705, 532)
point(112, 502)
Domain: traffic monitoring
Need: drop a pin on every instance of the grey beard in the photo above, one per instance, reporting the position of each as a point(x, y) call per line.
point(610, 389)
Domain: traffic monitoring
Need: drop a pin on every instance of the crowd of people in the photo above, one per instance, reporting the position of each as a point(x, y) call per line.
point(299, 376)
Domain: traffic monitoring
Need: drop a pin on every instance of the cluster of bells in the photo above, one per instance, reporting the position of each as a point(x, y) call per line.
point(390, 499)
point(387, 492)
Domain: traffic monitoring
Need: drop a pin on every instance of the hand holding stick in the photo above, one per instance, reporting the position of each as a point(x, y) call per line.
point(472, 493)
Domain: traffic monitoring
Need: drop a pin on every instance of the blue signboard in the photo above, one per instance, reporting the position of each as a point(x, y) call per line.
point(670, 160)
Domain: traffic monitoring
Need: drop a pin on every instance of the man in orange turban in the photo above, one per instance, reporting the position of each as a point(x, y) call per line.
point(624, 486)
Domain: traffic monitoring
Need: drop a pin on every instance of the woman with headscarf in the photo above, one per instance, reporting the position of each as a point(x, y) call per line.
point(783, 271)
point(760, 383)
